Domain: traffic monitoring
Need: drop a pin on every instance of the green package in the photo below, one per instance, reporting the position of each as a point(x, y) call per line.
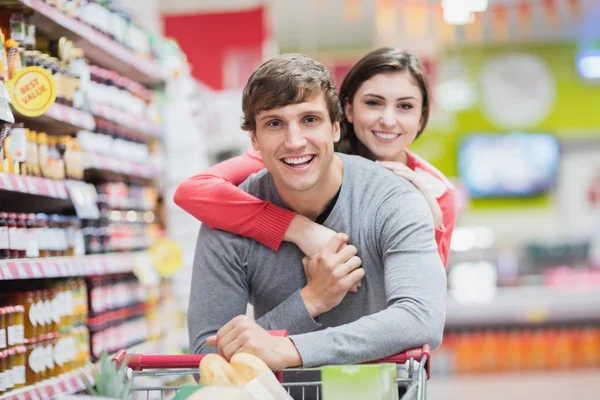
point(349, 382)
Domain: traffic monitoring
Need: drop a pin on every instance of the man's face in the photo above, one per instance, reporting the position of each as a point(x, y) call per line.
point(296, 142)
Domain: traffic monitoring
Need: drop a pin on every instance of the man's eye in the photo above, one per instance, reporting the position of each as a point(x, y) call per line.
point(274, 124)
point(311, 120)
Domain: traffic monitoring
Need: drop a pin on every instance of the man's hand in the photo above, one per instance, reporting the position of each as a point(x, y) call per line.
point(310, 237)
point(243, 335)
point(330, 275)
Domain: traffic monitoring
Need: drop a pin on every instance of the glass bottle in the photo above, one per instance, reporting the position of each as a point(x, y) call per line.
point(42, 233)
point(13, 235)
point(15, 326)
point(4, 238)
point(22, 229)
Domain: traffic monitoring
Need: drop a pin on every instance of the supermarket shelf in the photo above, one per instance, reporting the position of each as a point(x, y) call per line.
point(132, 122)
point(527, 306)
point(104, 164)
point(65, 384)
point(59, 120)
point(58, 267)
point(23, 194)
point(97, 47)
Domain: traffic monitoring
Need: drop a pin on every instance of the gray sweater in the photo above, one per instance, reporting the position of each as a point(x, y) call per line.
point(400, 305)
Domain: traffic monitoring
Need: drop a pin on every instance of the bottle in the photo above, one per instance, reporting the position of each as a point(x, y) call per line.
point(19, 367)
point(14, 62)
point(23, 237)
point(43, 156)
point(17, 27)
point(13, 235)
point(33, 250)
point(17, 148)
point(42, 234)
point(3, 61)
point(4, 237)
point(15, 326)
point(33, 165)
point(30, 39)
point(3, 374)
point(3, 328)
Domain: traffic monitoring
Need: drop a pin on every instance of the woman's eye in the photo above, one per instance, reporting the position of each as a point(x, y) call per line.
point(372, 103)
point(406, 106)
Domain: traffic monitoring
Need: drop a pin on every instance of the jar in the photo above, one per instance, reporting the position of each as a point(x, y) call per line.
point(22, 229)
point(15, 326)
point(54, 310)
point(4, 237)
point(42, 234)
point(13, 235)
point(47, 306)
point(18, 371)
point(3, 327)
point(53, 237)
point(32, 369)
point(8, 372)
point(33, 250)
point(3, 371)
point(31, 326)
point(48, 358)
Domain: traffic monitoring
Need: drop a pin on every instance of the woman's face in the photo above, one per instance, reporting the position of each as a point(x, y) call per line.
point(387, 114)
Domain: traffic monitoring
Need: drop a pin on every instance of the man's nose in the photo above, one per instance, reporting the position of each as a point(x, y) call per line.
point(294, 138)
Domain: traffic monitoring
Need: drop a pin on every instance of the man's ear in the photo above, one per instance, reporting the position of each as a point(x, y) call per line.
point(336, 132)
point(348, 110)
point(255, 144)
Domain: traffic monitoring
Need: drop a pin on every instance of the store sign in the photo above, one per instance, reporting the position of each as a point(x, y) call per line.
point(32, 91)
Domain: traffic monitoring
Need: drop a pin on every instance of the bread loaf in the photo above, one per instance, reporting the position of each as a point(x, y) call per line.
point(215, 370)
point(248, 365)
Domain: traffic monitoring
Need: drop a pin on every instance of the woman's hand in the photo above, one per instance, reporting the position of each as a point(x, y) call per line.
point(310, 237)
point(407, 173)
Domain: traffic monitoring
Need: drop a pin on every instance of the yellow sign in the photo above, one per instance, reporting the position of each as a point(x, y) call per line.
point(167, 257)
point(33, 91)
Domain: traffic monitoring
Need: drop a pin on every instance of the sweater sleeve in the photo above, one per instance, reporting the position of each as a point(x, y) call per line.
point(443, 235)
point(415, 287)
point(214, 198)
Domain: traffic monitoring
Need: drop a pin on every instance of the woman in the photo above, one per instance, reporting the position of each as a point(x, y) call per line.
point(385, 99)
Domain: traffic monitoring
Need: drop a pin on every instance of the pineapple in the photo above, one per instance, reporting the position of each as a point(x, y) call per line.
point(111, 381)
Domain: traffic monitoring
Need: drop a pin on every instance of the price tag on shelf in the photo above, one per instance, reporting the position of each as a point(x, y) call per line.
point(21, 185)
point(6, 183)
point(31, 186)
point(22, 271)
point(51, 188)
point(36, 270)
point(6, 272)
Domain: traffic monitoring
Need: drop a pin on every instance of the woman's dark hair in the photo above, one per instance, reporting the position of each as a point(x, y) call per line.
point(376, 62)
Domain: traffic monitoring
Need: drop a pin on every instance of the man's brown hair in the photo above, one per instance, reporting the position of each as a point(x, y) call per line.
point(284, 80)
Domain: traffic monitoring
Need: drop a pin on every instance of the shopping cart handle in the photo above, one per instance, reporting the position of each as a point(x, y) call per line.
point(401, 358)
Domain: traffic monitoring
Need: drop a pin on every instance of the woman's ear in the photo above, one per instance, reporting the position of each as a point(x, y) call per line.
point(348, 111)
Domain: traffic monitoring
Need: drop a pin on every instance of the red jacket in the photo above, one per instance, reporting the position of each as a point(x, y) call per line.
point(214, 198)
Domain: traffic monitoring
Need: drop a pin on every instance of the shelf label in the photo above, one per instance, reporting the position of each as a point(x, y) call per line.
point(35, 270)
point(6, 272)
point(33, 91)
point(21, 186)
point(6, 184)
point(21, 271)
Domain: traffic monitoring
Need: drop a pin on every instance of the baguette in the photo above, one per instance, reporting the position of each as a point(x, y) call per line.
point(215, 370)
point(248, 366)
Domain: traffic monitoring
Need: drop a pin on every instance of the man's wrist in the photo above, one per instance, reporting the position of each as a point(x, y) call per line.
point(291, 355)
point(312, 305)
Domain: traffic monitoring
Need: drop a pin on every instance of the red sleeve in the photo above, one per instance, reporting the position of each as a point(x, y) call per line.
point(443, 234)
point(214, 198)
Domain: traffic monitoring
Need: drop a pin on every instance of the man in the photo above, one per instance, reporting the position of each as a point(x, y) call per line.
point(292, 112)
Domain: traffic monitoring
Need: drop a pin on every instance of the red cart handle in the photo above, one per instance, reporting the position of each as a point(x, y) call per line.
point(139, 362)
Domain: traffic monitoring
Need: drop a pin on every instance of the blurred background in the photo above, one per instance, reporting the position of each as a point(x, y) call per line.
point(515, 124)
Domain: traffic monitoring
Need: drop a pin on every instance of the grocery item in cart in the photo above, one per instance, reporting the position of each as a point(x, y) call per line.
point(244, 370)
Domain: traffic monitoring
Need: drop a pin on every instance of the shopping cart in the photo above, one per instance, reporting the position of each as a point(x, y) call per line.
point(412, 374)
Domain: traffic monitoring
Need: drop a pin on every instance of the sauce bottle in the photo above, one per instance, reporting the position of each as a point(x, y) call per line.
point(4, 237)
point(15, 326)
point(23, 237)
point(13, 235)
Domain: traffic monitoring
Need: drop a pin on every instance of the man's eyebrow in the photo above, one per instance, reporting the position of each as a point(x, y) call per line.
point(312, 112)
point(383, 98)
point(269, 116)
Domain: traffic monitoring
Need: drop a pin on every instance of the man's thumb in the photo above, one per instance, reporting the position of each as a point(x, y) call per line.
point(212, 341)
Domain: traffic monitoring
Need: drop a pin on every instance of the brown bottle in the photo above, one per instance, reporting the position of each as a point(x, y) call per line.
point(13, 235)
point(22, 229)
point(4, 238)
